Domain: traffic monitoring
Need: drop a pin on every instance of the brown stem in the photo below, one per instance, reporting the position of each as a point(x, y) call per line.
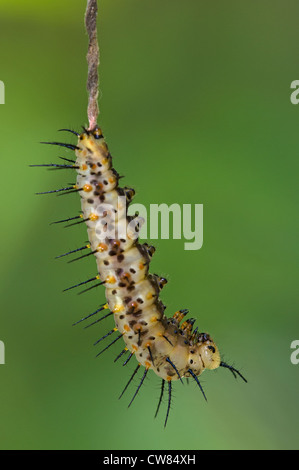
point(93, 63)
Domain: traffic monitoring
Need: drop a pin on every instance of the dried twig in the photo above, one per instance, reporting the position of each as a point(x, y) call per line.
point(93, 63)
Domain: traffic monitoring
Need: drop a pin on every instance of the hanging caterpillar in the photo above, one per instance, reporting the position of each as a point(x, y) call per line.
point(167, 346)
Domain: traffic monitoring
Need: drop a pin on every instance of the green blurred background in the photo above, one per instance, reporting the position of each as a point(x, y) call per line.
point(195, 106)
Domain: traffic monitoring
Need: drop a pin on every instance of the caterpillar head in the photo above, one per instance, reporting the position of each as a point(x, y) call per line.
point(208, 352)
point(203, 354)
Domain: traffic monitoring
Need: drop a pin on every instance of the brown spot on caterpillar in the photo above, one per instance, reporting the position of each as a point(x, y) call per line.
point(125, 277)
point(135, 314)
point(133, 305)
point(131, 287)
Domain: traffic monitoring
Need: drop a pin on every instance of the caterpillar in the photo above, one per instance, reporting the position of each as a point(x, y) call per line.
point(169, 346)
